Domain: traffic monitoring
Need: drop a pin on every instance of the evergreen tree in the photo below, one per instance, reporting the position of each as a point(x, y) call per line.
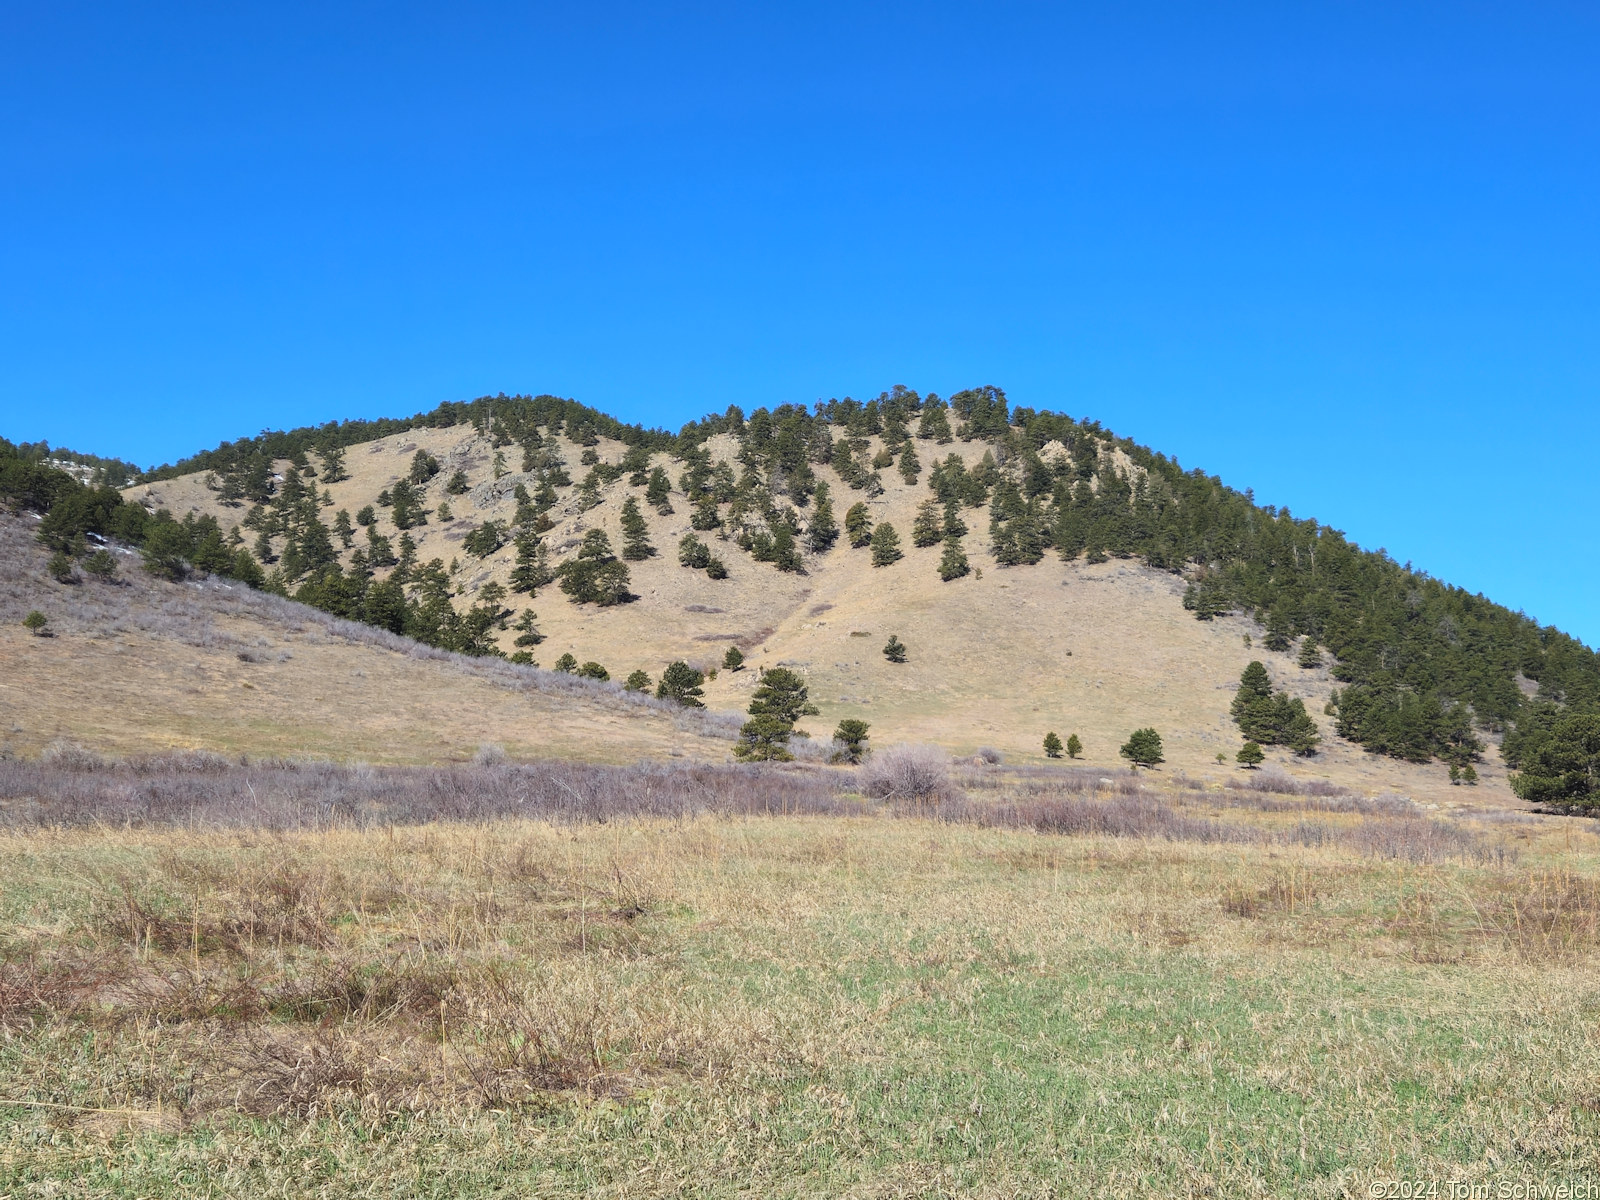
point(928, 528)
point(910, 464)
point(366, 515)
point(894, 650)
point(1052, 746)
point(101, 565)
point(858, 526)
point(635, 532)
point(823, 532)
point(527, 631)
point(1469, 775)
point(1074, 746)
point(1250, 756)
point(379, 552)
point(37, 624)
point(60, 568)
point(852, 736)
point(593, 670)
point(1564, 767)
point(885, 546)
point(424, 467)
point(658, 492)
point(782, 694)
point(935, 423)
point(567, 664)
point(594, 575)
point(1143, 748)
point(1310, 656)
point(681, 682)
point(764, 739)
point(1278, 632)
point(444, 511)
point(166, 546)
point(532, 570)
point(733, 660)
point(785, 554)
point(638, 681)
point(693, 553)
point(954, 526)
point(458, 483)
point(485, 539)
point(706, 516)
point(953, 562)
point(344, 529)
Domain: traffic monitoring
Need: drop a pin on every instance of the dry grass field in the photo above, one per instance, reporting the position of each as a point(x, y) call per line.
point(1037, 984)
point(996, 659)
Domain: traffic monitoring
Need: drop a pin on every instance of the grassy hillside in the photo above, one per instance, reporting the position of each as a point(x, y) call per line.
point(141, 665)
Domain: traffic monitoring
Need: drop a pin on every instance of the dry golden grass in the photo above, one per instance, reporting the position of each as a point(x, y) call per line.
point(144, 666)
point(870, 1006)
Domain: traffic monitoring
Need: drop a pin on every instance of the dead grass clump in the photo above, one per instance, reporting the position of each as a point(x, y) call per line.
point(905, 773)
point(1286, 891)
point(1139, 816)
point(1549, 916)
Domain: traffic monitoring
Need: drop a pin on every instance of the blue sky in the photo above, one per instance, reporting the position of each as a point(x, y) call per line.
point(1346, 255)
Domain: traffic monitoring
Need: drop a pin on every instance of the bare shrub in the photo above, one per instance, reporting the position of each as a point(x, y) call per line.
point(905, 772)
point(70, 756)
point(489, 755)
point(1283, 785)
point(990, 755)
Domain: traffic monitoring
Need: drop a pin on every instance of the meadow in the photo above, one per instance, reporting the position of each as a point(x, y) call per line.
point(552, 979)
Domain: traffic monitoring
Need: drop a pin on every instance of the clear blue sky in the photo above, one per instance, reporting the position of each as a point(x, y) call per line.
point(1347, 255)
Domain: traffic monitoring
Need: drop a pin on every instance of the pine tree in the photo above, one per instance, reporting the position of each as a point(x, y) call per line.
point(894, 650)
point(733, 660)
point(60, 568)
point(910, 464)
point(858, 526)
point(681, 682)
point(527, 632)
point(928, 528)
point(935, 421)
point(593, 670)
point(852, 737)
point(567, 664)
point(366, 515)
point(1255, 688)
point(444, 511)
point(638, 681)
point(1143, 748)
point(333, 470)
point(764, 739)
point(1250, 756)
point(693, 553)
point(706, 515)
point(885, 546)
point(37, 624)
point(658, 492)
point(344, 529)
point(953, 562)
point(458, 483)
point(1052, 745)
point(635, 533)
point(1310, 656)
point(823, 532)
point(1074, 746)
point(594, 575)
point(785, 555)
point(532, 570)
point(101, 565)
point(954, 526)
point(781, 694)
point(1278, 632)
point(1469, 775)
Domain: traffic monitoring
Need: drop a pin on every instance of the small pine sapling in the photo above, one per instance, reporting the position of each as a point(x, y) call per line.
point(1052, 745)
point(1074, 746)
point(894, 650)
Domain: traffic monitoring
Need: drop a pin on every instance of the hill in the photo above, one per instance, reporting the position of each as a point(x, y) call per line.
point(1069, 580)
